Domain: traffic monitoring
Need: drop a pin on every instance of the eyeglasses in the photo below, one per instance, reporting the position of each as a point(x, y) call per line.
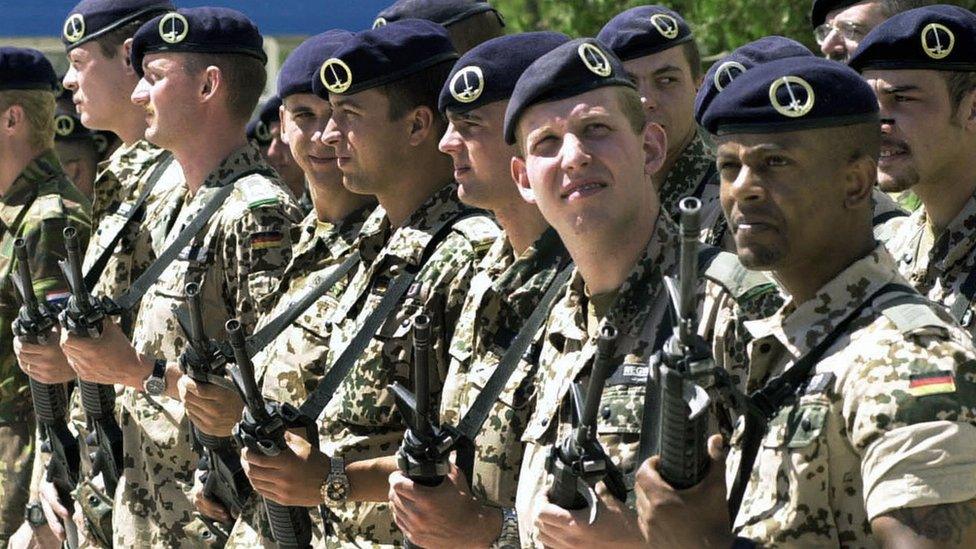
point(847, 30)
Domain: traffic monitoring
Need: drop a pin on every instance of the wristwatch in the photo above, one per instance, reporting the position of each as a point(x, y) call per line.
point(34, 514)
point(335, 487)
point(155, 383)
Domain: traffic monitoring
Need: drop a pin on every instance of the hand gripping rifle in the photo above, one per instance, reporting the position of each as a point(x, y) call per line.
point(423, 455)
point(683, 403)
point(205, 361)
point(579, 460)
point(33, 325)
point(262, 429)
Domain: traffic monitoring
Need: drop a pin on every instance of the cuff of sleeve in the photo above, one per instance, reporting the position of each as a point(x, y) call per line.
point(509, 536)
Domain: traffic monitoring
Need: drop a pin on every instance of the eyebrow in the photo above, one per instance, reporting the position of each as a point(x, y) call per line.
point(900, 89)
point(344, 102)
point(463, 117)
point(667, 68)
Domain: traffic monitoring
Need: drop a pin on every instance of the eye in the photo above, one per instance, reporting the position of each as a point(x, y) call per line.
point(666, 80)
point(775, 161)
point(903, 98)
point(597, 129)
point(545, 146)
point(729, 166)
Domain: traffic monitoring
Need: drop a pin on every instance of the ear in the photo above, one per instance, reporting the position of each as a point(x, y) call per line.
point(421, 125)
point(967, 111)
point(212, 82)
point(12, 119)
point(127, 57)
point(284, 125)
point(860, 176)
point(655, 148)
point(521, 178)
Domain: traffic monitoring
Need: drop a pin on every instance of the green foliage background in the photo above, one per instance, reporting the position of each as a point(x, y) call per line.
point(719, 25)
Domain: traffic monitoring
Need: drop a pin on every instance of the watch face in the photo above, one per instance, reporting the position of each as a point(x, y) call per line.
point(35, 515)
point(337, 490)
point(155, 386)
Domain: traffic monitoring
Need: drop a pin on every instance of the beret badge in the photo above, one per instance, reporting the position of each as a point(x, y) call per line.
point(336, 75)
point(173, 28)
point(666, 25)
point(791, 96)
point(467, 84)
point(262, 132)
point(594, 59)
point(74, 28)
point(64, 125)
point(379, 22)
point(726, 73)
point(937, 40)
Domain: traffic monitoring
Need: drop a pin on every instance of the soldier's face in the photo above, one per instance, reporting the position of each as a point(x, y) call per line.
point(303, 120)
point(667, 89)
point(280, 158)
point(99, 85)
point(844, 29)
point(168, 94)
point(586, 167)
point(475, 142)
point(80, 161)
point(369, 145)
point(921, 136)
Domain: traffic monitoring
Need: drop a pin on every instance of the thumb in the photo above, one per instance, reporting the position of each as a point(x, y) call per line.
point(716, 448)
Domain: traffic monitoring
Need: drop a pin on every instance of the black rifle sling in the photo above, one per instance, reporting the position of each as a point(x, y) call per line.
point(151, 275)
point(323, 393)
point(95, 272)
point(767, 401)
point(472, 422)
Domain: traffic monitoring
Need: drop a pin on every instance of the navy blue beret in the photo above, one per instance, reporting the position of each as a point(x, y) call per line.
point(93, 18)
point(67, 126)
point(269, 111)
point(818, 14)
point(198, 30)
point(644, 30)
point(573, 68)
point(791, 94)
point(303, 64)
point(938, 37)
point(739, 61)
point(26, 69)
point(375, 57)
point(488, 72)
point(258, 132)
point(443, 12)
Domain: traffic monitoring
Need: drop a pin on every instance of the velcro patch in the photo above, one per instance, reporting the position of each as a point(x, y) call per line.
point(196, 254)
point(630, 374)
point(931, 383)
point(266, 239)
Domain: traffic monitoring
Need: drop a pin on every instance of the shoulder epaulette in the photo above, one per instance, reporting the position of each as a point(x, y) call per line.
point(48, 206)
point(726, 270)
point(479, 230)
point(258, 191)
point(912, 314)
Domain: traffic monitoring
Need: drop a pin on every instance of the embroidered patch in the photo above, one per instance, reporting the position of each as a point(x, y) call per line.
point(931, 383)
point(266, 239)
point(57, 298)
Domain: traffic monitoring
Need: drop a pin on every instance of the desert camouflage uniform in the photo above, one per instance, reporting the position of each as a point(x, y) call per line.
point(39, 204)
point(695, 174)
point(637, 311)
point(503, 294)
point(237, 259)
point(859, 440)
point(937, 265)
point(360, 422)
point(888, 216)
point(292, 364)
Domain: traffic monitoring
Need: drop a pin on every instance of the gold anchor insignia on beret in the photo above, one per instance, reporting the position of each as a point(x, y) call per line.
point(74, 28)
point(64, 125)
point(937, 40)
point(665, 24)
point(336, 75)
point(173, 28)
point(473, 81)
point(796, 87)
point(262, 132)
point(379, 22)
point(726, 73)
point(594, 59)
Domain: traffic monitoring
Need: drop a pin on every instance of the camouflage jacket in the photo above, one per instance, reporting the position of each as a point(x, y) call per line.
point(237, 259)
point(293, 363)
point(694, 174)
point(938, 265)
point(37, 207)
point(888, 215)
point(637, 312)
point(360, 422)
point(504, 293)
point(857, 443)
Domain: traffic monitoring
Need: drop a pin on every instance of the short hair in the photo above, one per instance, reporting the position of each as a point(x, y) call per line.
point(959, 83)
point(110, 42)
point(38, 108)
point(693, 57)
point(469, 32)
point(245, 77)
point(420, 89)
point(893, 7)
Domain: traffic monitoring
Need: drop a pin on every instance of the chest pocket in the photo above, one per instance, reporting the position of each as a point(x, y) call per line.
point(620, 415)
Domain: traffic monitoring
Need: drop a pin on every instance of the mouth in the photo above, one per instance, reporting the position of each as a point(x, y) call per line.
point(461, 171)
point(318, 159)
point(749, 225)
point(582, 189)
point(891, 150)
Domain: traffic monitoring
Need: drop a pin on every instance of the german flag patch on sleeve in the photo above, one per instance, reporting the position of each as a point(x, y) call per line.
point(266, 239)
point(931, 383)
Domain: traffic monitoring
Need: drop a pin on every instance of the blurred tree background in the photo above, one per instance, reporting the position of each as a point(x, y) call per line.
point(719, 25)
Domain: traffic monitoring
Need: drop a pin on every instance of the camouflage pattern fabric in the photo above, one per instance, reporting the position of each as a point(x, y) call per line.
point(360, 421)
point(237, 259)
point(887, 214)
point(694, 174)
point(503, 294)
point(858, 441)
point(937, 264)
point(292, 364)
point(37, 207)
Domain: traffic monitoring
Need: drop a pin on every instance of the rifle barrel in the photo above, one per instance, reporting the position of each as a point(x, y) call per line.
point(77, 280)
point(252, 394)
point(197, 333)
point(598, 378)
point(688, 267)
point(421, 372)
point(26, 279)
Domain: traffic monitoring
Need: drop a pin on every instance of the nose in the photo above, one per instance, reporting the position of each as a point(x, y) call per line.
point(887, 126)
point(140, 95)
point(574, 154)
point(746, 187)
point(70, 80)
point(450, 142)
point(330, 135)
point(833, 45)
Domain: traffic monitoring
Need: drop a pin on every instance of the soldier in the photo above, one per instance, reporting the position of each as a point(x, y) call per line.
point(512, 282)
point(923, 71)
point(75, 146)
point(468, 22)
point(294, 361)
point(864, 425)
point(276, 151)
point(36, 203)
point(585, 152)
point(383, 86)
point(840, 25)
point(202, 71)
